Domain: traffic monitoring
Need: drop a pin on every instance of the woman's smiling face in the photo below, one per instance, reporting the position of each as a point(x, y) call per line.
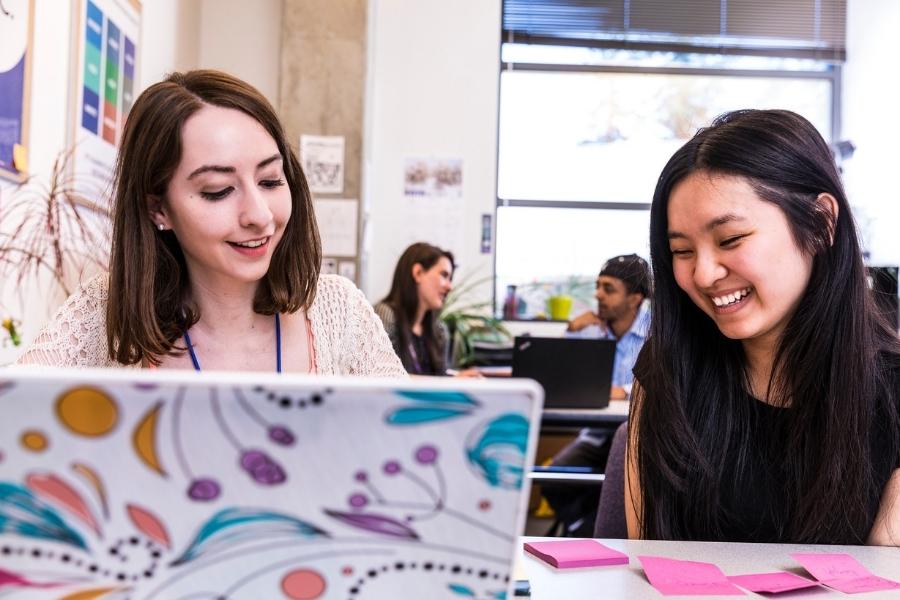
point(227, 202)
point(734, 255)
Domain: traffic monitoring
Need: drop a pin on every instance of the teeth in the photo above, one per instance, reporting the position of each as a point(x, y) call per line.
point(253, 244)
point(730, 298)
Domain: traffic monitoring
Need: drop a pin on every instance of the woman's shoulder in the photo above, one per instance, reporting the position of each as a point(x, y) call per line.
point(331, 286)
point(76, 336)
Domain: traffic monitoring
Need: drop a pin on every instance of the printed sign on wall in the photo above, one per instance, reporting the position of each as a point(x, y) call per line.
point(107, 32)
point(16, 33)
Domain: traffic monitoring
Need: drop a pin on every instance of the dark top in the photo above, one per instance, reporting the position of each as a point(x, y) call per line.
point(419, 361)
point(754, 500)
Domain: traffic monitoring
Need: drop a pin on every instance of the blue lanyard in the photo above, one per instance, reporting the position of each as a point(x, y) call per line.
point(190, 346)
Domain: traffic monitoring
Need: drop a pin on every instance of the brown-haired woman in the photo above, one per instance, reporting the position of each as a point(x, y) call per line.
point(215, 251)
point(422, 279)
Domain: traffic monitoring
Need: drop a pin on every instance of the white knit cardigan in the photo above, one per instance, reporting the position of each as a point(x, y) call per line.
point(349, 338)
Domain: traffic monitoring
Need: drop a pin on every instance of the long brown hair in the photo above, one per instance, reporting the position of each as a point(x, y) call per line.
point(149, 306)
point(403, 298)
point(833, 372)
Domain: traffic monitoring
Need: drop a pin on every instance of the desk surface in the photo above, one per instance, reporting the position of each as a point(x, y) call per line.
point(629, 582)
point(615, 413)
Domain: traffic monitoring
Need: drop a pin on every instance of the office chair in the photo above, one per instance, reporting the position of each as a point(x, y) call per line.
point(610, 521)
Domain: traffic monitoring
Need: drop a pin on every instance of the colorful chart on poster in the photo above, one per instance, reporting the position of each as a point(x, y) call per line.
point(106, 74)
point(15, 57)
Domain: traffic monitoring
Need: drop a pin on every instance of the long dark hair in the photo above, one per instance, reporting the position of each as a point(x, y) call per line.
point(403, 298)
point(149, 306)
point(831, 367)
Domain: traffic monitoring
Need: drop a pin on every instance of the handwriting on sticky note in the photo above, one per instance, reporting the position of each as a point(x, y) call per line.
point(843, 573)
point(772, 583)
point(567, 554)
point(686, 577)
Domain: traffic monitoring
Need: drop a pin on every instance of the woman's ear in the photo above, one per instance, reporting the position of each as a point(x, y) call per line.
point(157, 212)
point(828, 204)
point(417, 272)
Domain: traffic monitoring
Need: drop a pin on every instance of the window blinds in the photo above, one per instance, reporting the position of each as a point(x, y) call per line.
point(787, 28)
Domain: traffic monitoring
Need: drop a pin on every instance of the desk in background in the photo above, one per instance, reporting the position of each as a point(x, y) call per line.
point(629, 582)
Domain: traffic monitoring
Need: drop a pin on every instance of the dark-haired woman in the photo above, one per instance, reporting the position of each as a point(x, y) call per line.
point(767, 404)
point(215, 252)
point(422, 279)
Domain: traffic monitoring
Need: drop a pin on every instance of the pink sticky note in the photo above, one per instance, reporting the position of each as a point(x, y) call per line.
point(566, 554)
point(772, 583)
point(686, 577)
point(843, 573)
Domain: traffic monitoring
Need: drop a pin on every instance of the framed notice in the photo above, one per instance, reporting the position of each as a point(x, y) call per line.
point(106, 45)
point(16, 43)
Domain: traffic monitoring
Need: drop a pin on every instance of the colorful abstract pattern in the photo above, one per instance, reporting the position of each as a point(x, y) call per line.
point(191, 489)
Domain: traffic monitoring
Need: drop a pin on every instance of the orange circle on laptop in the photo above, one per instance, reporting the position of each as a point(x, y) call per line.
point(34, 440)
point(87, 411)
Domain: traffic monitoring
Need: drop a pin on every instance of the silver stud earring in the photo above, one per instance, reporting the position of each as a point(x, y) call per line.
point(160, 226)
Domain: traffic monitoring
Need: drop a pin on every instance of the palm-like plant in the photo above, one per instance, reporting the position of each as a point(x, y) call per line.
point(49, 228)
point(470, 322)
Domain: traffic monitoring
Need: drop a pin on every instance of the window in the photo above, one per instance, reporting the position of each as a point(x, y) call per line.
point(585, 131)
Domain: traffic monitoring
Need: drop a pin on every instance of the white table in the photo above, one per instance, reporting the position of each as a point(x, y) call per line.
point(548, 583)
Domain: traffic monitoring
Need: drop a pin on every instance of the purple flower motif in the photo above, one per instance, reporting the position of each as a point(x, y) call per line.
point(358, 500)
point(361, 476)
point(204, 490)
point(281, 435)
point(379, 524)
point(426, 455)
point(261, 468)
point(391, 467)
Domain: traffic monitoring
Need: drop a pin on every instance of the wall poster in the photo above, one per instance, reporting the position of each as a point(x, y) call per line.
point(105, 60)
point(17, 35)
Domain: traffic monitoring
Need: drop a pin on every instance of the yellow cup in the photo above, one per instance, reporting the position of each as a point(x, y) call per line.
point(559, 307)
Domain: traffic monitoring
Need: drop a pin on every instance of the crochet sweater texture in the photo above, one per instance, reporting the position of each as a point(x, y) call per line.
point(349, 338)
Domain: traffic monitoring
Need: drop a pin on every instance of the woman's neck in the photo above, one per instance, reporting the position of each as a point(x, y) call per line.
point(226, 311)
point(760, 355)
point(416, 325)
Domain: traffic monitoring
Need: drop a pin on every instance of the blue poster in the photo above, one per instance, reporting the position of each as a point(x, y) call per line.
point(15, 31)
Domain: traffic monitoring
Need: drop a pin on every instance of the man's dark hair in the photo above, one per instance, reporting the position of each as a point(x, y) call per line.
point(632, 270)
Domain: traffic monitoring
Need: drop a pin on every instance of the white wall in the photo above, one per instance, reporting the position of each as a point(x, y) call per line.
point(432, 91)
point(871, 97)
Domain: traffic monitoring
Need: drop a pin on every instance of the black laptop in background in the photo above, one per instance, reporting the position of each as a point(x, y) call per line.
point(574, 372)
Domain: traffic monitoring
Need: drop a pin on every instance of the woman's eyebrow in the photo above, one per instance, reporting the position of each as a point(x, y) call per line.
point(712, 224)
point(222, 169)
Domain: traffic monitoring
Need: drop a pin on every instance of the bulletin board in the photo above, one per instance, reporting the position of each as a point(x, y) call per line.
point(16, 48)
point(106, 45)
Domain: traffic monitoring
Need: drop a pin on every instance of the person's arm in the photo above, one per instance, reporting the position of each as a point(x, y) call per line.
point(633, 498)
point(367, 349)
point(886, 530)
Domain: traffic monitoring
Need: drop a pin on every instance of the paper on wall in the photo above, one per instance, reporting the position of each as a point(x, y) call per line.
point(337, 219)
point(323, 163)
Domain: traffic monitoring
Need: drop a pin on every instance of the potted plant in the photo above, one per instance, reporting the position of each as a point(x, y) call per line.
point(50, 232)
point(558, 297)
point(471, 324)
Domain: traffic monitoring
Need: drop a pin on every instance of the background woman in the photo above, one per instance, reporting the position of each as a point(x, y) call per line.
point(422, 279)
point(215, 251)
point(767, 405)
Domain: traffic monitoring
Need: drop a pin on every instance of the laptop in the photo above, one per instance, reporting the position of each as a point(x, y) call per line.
point(156, 485)
point(575, 373)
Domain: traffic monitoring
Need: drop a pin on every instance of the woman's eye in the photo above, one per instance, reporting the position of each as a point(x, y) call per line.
point(731, 241)
point(271, 183)
point(680, 253)
point(217, 195)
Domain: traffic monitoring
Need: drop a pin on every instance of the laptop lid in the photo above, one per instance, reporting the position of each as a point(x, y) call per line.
point(159, 485)
point(574, 372)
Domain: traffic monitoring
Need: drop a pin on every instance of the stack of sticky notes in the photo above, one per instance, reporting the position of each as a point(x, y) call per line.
point(686, 577)
point(843, 573)
point(567, 554)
